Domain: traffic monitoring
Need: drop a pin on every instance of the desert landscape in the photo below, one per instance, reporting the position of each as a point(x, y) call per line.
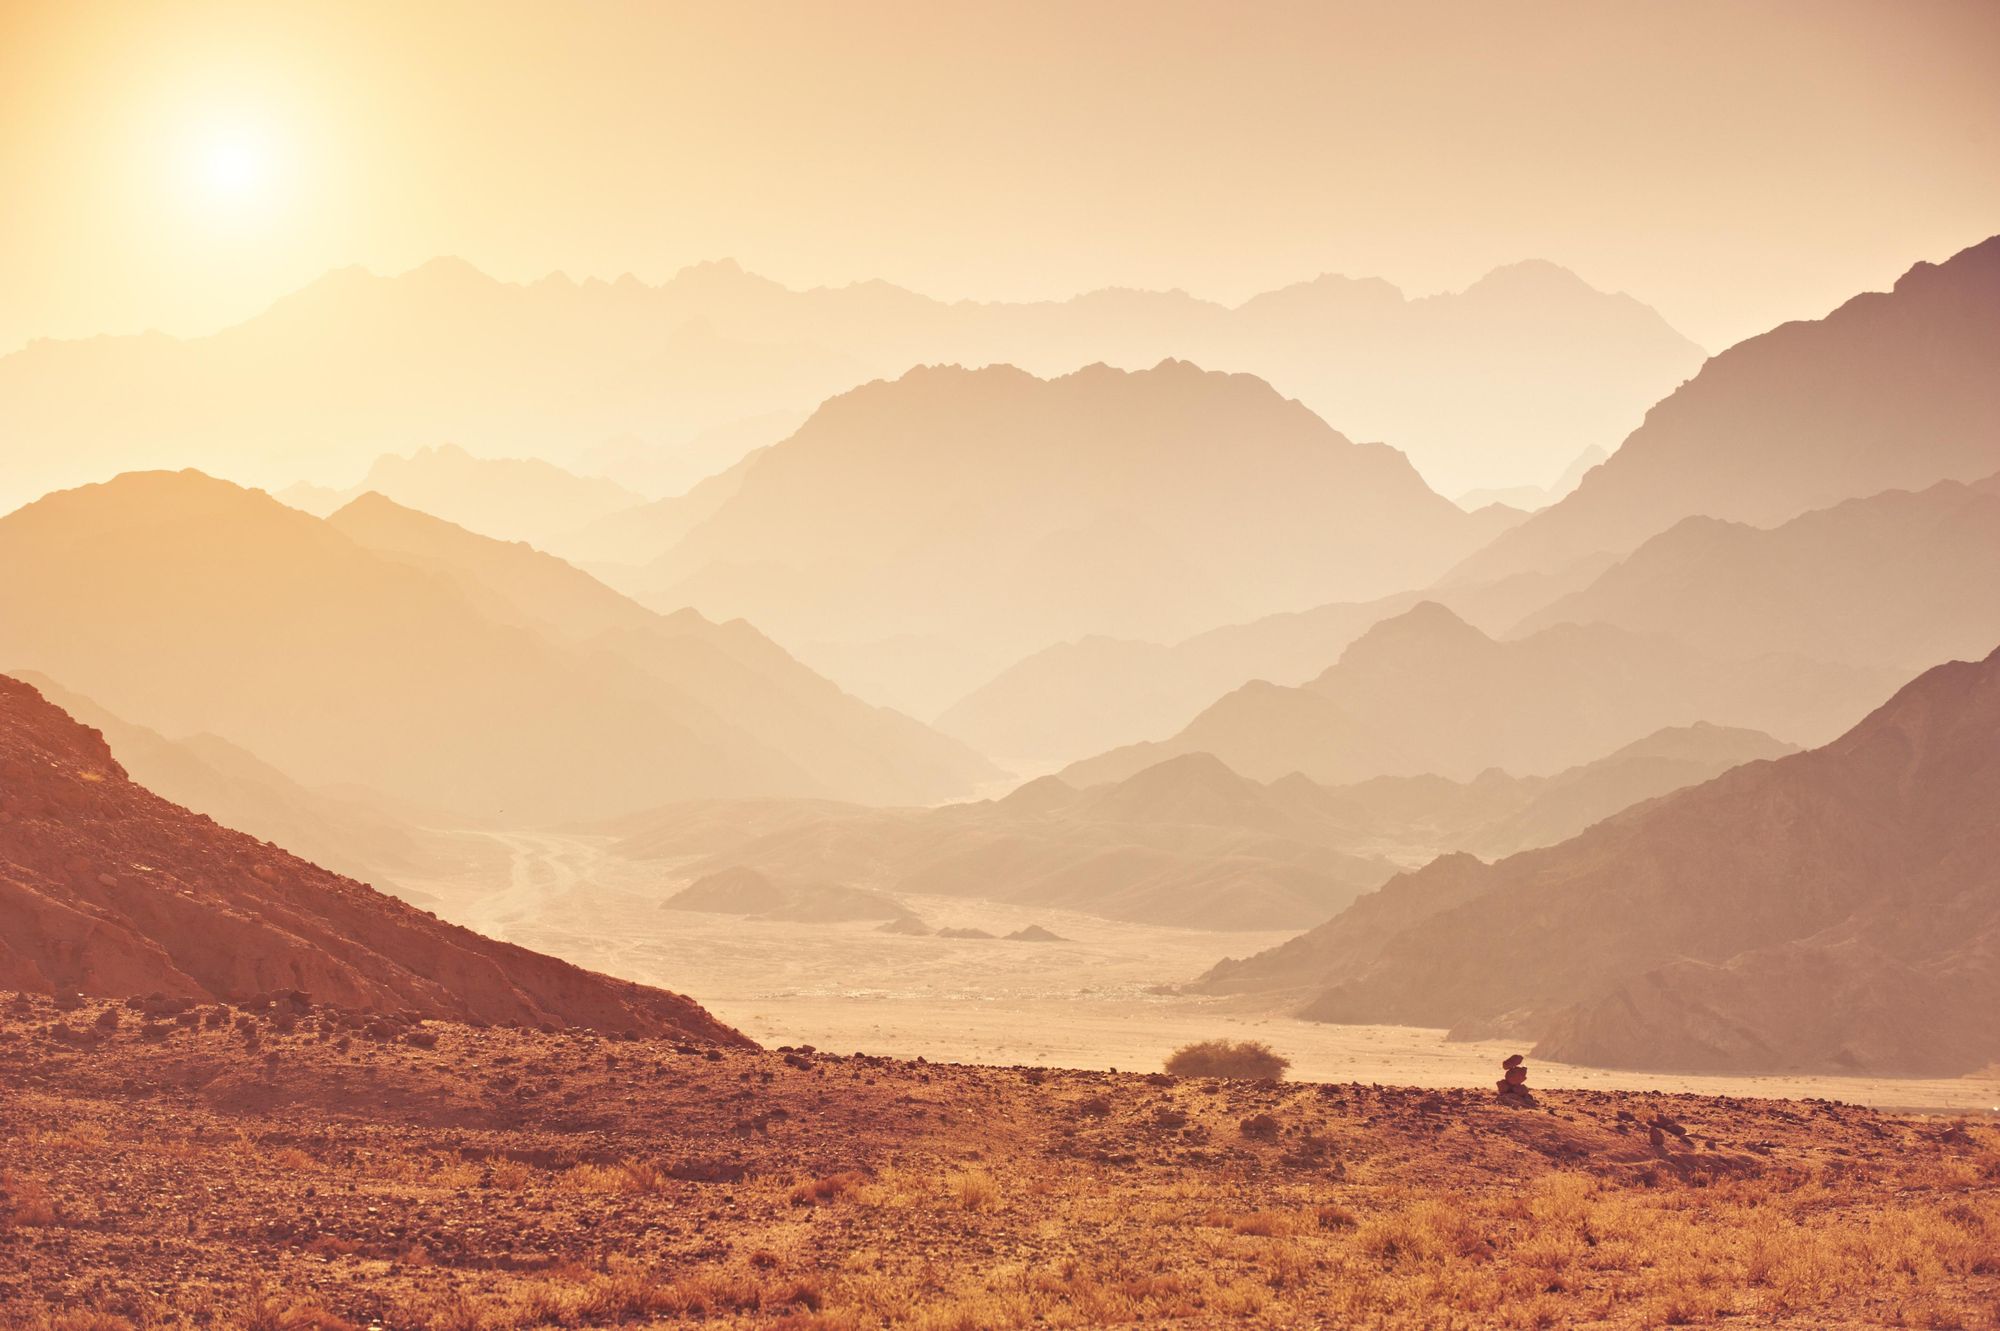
point(987, 667)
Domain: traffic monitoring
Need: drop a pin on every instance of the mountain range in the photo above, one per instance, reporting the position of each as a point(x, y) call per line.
point(1079, 698)
point(512, 499)
point(1892, 391)
point(107, 889)
point(1186, 842)
point(657, 382)
point(388, 650)
point(1830, 911)
point(1893, 581)
point(932, 529)
point(1426, 692)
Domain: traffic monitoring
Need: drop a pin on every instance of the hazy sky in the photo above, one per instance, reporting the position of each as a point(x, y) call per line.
point(179, 165)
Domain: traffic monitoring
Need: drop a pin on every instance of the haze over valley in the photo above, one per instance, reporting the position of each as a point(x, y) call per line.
point(1249, 666)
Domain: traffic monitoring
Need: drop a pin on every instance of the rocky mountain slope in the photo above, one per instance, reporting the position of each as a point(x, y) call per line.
point(1833, 910)
point(353, 837)
point(107, 889)
point(1893, 390)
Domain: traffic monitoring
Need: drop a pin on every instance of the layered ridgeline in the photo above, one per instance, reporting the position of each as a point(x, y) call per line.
point(1078, 698)
point(1426, 692)
point(390, 650)
point(365, 839)
point(1893, 390)
point(1897, 580)
point(1888, 582)
point(107, 889)
point(514, 499)
point(1742, 480)
point(659, 385)
point(914, 536)
point(1186, 842)
point(1836, 910)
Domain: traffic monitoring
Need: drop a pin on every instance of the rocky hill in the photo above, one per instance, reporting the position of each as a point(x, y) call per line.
point(107, 889)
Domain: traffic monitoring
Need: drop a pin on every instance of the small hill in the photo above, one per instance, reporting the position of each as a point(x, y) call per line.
point(1834, 910)
point(107, 889)
point(1892, 391)
point(750, 892)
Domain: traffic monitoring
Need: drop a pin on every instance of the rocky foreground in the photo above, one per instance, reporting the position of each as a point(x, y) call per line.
point(284, 1166)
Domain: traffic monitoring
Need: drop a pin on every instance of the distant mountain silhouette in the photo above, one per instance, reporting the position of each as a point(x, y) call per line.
point(427, 663)
point(1892, 581)
point(1534, 498)
point(1185, 842)
point(622, 541)
point(1832, 911)
point(655, 384)
point(211, 776)
point(1080, 698)
point(1426, 692)
point(512, 499)
point(107, 889)
point(1893, 390)
point(1189, 844)
point(991, 512)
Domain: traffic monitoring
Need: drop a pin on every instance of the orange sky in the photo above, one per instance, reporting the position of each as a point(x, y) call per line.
point(1732, 163)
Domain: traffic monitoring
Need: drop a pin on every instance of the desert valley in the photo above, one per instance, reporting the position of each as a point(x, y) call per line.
point(1071, 757)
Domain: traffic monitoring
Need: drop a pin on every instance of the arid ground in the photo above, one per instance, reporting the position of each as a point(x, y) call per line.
point(288, 1170)
point(1102, 999)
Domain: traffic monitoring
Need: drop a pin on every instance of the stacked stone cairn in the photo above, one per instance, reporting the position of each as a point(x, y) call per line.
point(1513, 1083)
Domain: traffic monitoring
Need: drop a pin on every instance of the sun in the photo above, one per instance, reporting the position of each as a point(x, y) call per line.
point(231, 170)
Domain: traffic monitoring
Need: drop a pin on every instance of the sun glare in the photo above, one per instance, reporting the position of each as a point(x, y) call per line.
point(230, 170)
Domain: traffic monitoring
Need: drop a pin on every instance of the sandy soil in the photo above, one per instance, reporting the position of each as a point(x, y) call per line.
point(1099, 1000)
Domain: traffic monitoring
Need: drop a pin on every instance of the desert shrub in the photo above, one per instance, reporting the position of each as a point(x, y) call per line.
point(1250, 1060)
